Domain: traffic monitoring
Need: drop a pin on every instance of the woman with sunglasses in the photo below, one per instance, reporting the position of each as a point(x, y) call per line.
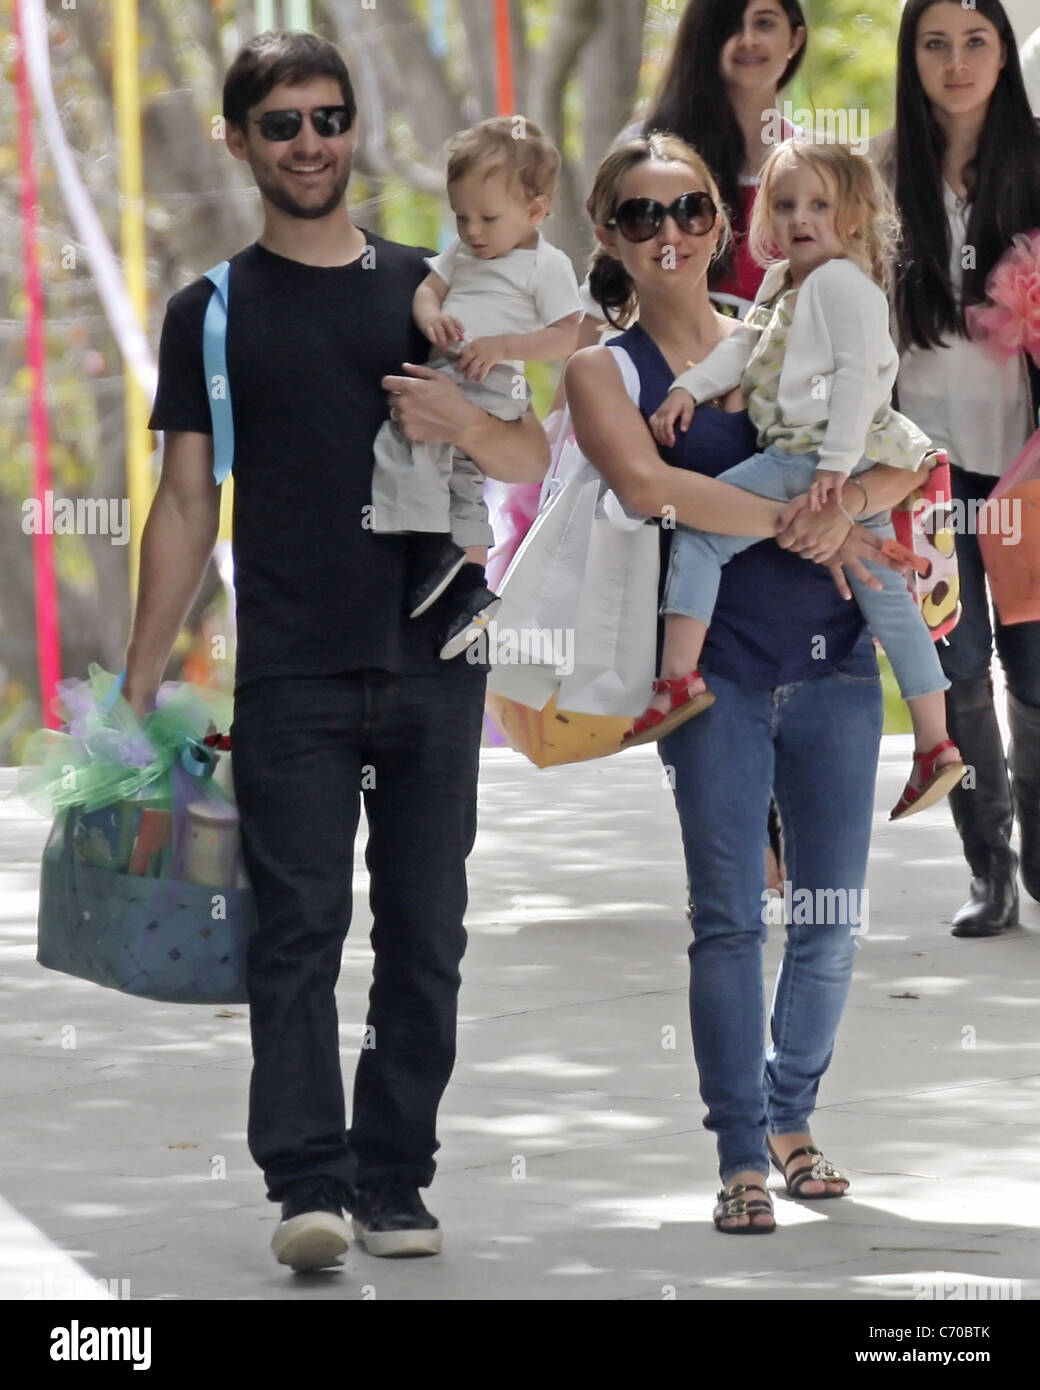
point(964, 162)
point(797, 694)
point(719, 94)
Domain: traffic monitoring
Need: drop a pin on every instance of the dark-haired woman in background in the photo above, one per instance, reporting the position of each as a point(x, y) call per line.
point(719, 94)
point(964, 162)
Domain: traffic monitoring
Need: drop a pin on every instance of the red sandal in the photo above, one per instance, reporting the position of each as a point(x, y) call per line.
point(653, 724)
point(935, 782)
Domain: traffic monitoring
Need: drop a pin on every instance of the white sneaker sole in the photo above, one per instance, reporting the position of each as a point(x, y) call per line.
point(399, 1244)
point(313, 1240)
point(456, 645)
point(434, 594)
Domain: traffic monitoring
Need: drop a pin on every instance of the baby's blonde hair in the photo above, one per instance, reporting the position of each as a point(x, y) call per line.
point(865, 218)
point(512, 145)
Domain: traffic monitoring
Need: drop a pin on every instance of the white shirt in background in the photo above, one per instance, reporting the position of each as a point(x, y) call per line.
point(968, 403)
point(1031, 69)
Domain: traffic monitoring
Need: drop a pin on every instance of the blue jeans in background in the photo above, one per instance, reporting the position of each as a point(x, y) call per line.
point(815, 744)
point(891, 614)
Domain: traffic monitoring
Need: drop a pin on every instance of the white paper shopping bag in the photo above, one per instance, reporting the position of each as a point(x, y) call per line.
point(615, 643)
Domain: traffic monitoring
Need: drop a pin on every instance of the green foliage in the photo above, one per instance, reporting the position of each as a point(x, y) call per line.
point(851, 58)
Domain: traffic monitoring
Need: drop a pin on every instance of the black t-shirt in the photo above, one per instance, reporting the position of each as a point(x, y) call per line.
point(317, 592)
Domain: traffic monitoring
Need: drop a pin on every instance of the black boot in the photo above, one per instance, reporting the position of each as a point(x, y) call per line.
point(982, 811)
point(1025, 785)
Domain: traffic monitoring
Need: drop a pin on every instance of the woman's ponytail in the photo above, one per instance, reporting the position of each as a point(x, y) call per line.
point(613, 289)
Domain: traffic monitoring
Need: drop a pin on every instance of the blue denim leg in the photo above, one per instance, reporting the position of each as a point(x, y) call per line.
point(722, 775)
point(896, 621)
point(697, 557)
point(827, 737)
point(724, 766)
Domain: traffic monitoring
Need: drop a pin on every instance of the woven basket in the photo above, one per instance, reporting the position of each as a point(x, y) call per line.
point(158, 938)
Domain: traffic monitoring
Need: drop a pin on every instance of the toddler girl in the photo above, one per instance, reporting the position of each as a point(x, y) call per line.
point(817, 362)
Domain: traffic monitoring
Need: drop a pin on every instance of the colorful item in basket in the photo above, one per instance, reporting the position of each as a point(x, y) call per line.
point(152, 854)
point(104, 754)
point(212, 851)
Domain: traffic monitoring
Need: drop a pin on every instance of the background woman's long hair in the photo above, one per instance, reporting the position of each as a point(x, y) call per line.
point(1003, 185)
point(692, 101)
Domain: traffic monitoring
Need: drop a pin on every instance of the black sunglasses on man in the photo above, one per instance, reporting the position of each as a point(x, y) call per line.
point(328, 121)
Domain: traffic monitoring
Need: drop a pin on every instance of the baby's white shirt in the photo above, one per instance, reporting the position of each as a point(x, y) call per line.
point(521, 292)
point(840, 364)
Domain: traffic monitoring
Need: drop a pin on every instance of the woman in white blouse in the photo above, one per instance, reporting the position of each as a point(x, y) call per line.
point(964, 162)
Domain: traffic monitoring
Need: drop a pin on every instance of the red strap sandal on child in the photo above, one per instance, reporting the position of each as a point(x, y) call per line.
point(653, 724)
point(934, 783)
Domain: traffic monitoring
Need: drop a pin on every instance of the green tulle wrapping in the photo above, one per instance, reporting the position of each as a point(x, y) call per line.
point(101, 756)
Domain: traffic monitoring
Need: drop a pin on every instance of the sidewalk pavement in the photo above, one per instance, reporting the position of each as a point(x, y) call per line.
point(573, 1162)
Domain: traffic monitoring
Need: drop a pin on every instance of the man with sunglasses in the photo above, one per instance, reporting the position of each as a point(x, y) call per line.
point(337, 693)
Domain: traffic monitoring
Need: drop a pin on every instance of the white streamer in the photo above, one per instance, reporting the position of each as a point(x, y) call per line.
point(111, 286)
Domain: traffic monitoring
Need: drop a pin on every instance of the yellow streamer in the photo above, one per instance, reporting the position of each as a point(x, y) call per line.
point(127, 95)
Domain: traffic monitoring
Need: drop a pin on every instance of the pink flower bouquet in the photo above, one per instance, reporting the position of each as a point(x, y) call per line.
point(1010, 322)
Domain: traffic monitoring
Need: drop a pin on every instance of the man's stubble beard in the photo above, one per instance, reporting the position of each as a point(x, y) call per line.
point(283, 200)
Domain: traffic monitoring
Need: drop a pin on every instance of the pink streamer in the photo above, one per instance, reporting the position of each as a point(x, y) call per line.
point(48, 639)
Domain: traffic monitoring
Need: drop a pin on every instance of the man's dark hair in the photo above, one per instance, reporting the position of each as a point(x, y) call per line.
point(276, 57)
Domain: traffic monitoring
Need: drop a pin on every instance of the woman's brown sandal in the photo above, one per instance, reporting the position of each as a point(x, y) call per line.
point(732, 1203)
point(820, 1170)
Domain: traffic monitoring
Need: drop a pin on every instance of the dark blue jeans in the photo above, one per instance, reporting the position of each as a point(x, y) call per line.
point(967, 654)
point(815, 744)
point(305, 752)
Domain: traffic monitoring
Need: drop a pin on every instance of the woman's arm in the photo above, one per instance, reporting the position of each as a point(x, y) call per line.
point(614, 437)
point(819, 535)
point(590, 330)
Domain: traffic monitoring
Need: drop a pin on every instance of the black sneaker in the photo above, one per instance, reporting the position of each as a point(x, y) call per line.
point(390, 1220)
point(312, 1233)
point(469, 625)
point(443, 569)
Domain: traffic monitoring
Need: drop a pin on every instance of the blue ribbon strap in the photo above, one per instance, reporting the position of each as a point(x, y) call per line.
point(214, 360)
point(108, 703)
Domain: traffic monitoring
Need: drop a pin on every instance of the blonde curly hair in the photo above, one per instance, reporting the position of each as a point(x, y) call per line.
point(865, 220)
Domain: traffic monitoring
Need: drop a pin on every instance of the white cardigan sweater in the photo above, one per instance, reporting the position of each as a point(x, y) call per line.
point(839, 367)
